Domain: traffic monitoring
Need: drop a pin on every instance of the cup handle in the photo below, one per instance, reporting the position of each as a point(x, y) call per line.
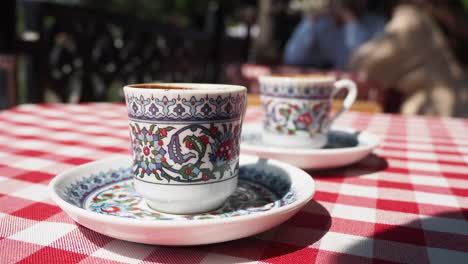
point(348, 101)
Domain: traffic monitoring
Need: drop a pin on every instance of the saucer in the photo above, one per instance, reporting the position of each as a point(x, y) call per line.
point(345, 146)
point(101, 197)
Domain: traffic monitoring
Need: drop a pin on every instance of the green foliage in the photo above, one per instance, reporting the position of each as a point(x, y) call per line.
point(186, 171)
point(465, 4)
point(197, 144)
point(284, 112)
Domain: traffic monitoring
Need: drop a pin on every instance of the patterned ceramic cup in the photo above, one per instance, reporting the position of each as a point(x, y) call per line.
point(297, 108)
point(185, 143)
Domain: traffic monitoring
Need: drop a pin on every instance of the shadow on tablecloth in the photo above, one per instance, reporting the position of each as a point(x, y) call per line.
point(296, 236)
point(441, 238)
point(368, 165)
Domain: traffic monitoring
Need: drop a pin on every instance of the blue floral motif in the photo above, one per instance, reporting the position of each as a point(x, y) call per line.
point(153, 109)
point(218, 102)
point(203, 108)
point(147, 167)
point(315, 91)
point(258, 191)
point(135, 107)
point(165, 103)
point(228, 108)
point(76, 196)
point(179, 110)
point(290, 118)
point(239, 103)
point(206, 109)
point(193, 103)
point(142, 103)
point(148, 142)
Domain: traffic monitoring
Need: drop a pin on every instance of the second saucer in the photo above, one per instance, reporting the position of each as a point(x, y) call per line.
point(345, 146)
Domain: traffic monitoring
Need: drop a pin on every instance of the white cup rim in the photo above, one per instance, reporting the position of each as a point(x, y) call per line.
point(185, 88)
point(298, 78)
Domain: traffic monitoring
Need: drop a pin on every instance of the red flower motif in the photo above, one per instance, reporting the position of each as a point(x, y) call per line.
point(204, 177)
point(111, 209)
point(146, 151)
point(317, 107)
point(188, 171)
point(150, 132)
point(204, 139)
point(160, 143)
point(213, 130)
point(188, 145)
point(225, 150)
point(154, 171)
point(163, 159)
point(117, 187)
point(163, 132)
point(143, 170)
point(305, 118)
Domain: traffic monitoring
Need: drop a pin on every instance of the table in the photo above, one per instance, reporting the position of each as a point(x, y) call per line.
point(406, 203)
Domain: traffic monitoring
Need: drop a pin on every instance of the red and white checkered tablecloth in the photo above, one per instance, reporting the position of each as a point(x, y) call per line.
point(406, 203)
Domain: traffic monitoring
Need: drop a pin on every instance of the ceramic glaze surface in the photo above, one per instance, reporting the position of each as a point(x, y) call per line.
point(101, 196)
point(183, 137)
point(180, 107)
point(294, 116)
point(297, 110)
point(192, 153)
point(112, 193)
point(187, 136)
point(344, 146)
point(298, 90)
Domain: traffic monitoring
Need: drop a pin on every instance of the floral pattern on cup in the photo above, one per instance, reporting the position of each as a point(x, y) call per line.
point(177, 153)
point(305, 91)
point(286, 118)
point(206, 108)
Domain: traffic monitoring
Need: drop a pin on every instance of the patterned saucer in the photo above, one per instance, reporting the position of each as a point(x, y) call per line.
point(100, 196)
point(345, 146)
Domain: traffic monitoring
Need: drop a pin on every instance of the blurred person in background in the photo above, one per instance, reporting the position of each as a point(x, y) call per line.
point(423, 53)
point(330, 31)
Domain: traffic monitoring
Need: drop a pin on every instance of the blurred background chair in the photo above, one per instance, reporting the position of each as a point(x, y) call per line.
point(85, 50)
point(84, 55)
point(73, 53)
point(7, 58)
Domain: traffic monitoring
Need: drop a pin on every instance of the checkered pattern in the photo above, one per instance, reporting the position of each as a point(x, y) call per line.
point(406, 203)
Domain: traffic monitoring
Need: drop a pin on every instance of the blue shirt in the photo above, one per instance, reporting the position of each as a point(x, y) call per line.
point(321, 42)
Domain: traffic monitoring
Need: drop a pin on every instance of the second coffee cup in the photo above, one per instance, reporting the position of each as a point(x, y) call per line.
point(297, 108)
